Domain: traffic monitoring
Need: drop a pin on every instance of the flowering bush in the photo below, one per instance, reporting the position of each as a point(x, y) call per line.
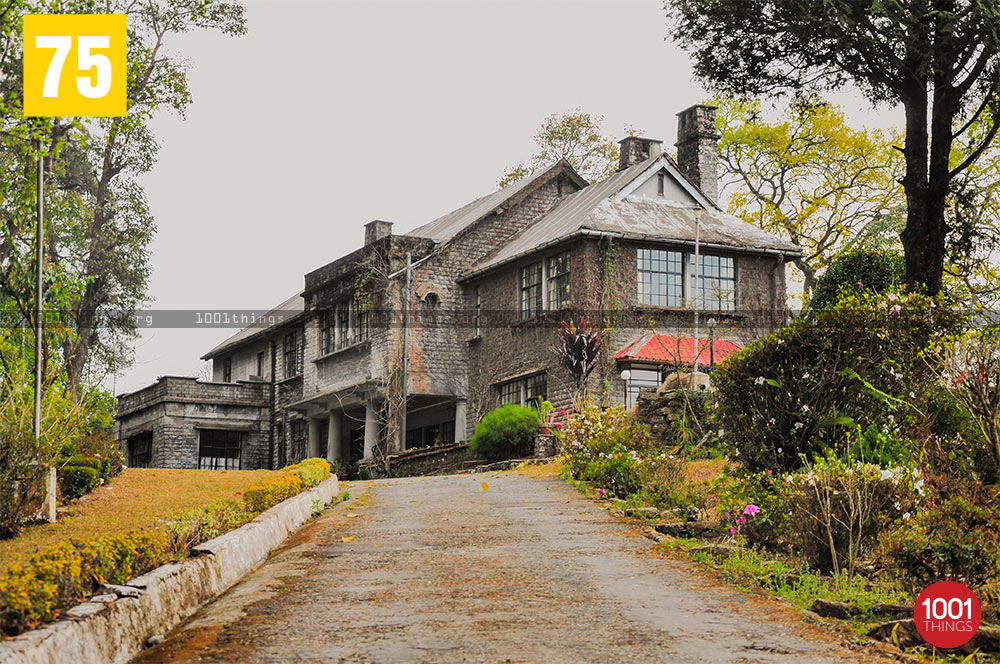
point(806, 389)
point(864, 270)
point(956, 539)
point(830, 513)
point(607, 447)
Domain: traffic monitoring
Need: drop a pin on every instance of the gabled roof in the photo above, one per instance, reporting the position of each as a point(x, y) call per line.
point(665, 349)
point(286, 312)
point(448, 226)
point(611, 207)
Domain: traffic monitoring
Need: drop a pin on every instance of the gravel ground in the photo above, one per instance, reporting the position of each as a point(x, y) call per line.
point(440, 570)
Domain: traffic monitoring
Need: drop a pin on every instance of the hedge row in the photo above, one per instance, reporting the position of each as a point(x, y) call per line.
point(58, 576)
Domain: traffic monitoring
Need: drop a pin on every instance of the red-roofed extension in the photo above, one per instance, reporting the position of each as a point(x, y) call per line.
point(665, 349)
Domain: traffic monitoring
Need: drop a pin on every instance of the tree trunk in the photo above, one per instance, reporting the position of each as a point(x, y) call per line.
point(926, 185)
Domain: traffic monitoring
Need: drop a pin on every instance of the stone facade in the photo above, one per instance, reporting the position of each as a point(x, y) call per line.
point(177, 412)
point(410, 340)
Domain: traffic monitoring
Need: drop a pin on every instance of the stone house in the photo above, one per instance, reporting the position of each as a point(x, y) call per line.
point(409, 340)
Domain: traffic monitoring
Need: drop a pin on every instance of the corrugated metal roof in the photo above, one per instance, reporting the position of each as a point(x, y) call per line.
point(665, 349)
point(448, 226)
point(596, 208)
point(287, 310)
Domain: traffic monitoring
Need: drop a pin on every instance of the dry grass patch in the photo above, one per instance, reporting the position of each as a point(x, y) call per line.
point(136, 499)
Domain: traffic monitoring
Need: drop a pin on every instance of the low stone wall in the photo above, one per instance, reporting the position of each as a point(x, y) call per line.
point(112, 628)
point(429, 461)
point(546, 445)
point(661, 413)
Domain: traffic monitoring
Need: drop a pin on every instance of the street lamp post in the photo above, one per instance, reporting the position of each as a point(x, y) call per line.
point(39, 238)
point(711, 344)
point(697, 259)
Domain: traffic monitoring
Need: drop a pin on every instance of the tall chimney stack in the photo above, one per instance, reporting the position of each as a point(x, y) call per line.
point(635, 150)
point(698, 148)
point(376, 230)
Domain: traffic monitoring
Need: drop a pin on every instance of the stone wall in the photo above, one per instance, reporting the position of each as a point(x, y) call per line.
point(662, 413)
point(175, 409)
point(429, 461)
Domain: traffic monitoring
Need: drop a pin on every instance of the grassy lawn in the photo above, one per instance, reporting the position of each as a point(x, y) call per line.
point(136, 499)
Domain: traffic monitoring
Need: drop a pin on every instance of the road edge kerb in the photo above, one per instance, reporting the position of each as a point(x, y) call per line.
point(114, 627)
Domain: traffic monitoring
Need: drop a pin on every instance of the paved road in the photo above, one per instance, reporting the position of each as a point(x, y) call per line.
point(527, 571)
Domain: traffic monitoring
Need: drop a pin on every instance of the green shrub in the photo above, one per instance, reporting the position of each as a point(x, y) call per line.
point(86, 462)
point(60, 574)
point(955, 539)
point(506, 433)
point(830, 514)
point(103, 446)
point(311, 471)
point(793, 395)
point(862, 271)
point(610, 449)
point(75, 481)
point(267, 494)
point(201, 524)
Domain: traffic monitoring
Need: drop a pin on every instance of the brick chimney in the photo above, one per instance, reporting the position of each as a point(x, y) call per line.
point(376, 230)
point(698, 148)
point(635, 150)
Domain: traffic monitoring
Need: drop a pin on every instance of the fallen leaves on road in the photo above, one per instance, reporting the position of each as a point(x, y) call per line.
point(348, 538)
point(445, 518)
point(485, 487)
point(353, 516)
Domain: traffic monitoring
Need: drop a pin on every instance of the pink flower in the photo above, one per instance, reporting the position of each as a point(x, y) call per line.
point(732, 531)
point(751, 510)
point(769, 472)
point(600, 493)
point(859, 283)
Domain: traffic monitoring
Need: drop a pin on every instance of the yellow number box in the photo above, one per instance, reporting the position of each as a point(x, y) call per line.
point(74, 65)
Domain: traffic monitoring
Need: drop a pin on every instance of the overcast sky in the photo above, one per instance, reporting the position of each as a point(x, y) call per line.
point(330, 113)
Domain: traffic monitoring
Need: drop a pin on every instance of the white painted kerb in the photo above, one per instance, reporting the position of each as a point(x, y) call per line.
point(113, 628)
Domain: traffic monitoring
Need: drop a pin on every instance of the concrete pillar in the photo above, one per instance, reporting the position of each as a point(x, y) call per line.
point(371, 429)
point(461, 421)
point(333, 451)
point(315, 431)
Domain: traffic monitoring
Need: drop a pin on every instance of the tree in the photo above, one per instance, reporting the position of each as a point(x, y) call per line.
point(99, 224)
point(939, 59)
point(807, 176)
point(574, 136)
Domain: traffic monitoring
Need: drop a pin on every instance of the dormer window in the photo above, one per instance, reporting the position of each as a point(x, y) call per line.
point(661, 184)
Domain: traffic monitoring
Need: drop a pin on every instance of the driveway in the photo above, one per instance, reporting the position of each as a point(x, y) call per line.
point(440, 570)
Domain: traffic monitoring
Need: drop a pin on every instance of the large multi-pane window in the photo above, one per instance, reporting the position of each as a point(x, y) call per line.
point(526, 391)
point(661, 277)
point(219, 449)
point(360, 312)
point(558, 281)
point(140, 450)
point(327, 332)
point(291, 349)
point(343, 326)
point(531, 290)
point(716, 287)
point(662, 284)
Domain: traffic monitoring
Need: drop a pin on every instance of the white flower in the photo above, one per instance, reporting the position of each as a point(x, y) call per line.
point(759, 380)
point(736, 452)
point(779, 450)
point(919, 486)
point(805, 408)
point(906, 516)
point(789, 478)
point(897, 505)
point(806, 376)
point(781, 341)
point(886, 475)
point(892, 296)
point(721, 432)
point(912, 395)
point(799, 425)
point(772, 421)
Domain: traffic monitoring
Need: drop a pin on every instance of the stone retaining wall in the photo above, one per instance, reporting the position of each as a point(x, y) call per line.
point(112, 628)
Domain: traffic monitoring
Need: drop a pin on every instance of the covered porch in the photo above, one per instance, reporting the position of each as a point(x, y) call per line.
point(348, 426)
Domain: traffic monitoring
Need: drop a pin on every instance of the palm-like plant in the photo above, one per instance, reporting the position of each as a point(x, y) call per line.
point(579, 347)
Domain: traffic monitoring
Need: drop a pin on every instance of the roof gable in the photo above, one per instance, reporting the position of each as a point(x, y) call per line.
point(447, 226)
point(616, 206)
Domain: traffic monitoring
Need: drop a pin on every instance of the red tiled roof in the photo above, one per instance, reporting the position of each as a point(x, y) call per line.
point(664, 349)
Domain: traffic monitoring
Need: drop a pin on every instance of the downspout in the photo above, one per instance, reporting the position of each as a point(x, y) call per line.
point(406, 349)
point(270, 433)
